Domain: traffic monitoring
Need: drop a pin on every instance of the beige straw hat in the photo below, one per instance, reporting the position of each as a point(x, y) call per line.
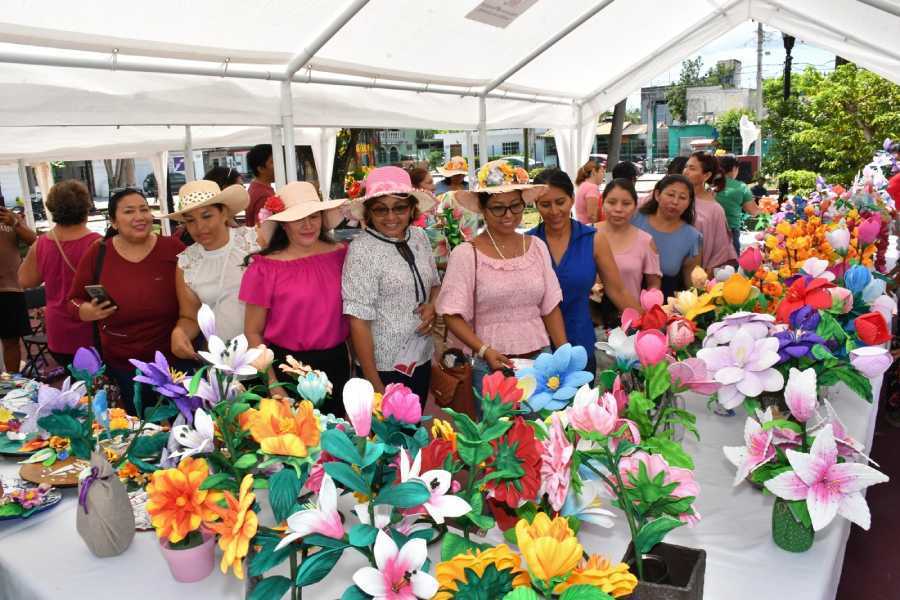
point(200, 193)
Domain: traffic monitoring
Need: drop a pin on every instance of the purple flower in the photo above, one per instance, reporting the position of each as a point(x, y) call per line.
point(805, 318)
point(722, 332)
point(167, 382)
point(794, 344)
point(87, 360)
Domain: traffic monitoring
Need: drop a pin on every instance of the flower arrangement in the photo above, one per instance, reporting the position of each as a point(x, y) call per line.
point(499, 172)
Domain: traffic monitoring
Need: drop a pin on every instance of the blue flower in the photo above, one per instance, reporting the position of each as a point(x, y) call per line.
point(100, 407)
point(558, 376)
point(857, 278)
point(873, 290)
point(313, 386)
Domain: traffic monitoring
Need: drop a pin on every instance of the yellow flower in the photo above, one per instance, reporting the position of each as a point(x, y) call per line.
point(452, 572)
point(699, 277)
point(689, 304)
point(279, 430)
point(376, 406)
point(111, 456)
point(118, 419)
point(443, 430)
point(777, 255)
point(237, 527)
point(784, 228)
point(175, 502)
point(617, 581)
point(549, 547)
point(736, 290)
point(59, 443)
point(129, 471)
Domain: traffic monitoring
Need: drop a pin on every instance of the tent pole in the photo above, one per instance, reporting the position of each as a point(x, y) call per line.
point(578, 137)
point(26, 194)
point(189, 171)
point(470, 157)
point(308, 52)
point(278, 156)
point(883, 5)
point(287, 131)
point(482, 132)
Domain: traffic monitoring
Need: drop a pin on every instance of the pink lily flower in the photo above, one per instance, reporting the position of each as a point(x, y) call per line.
point(398, 576)
point(830, 488)
point(745, 368)
point(591, 411)
point(691, 373)
point(800, 393)
point(556, 471)
point(440, 504)
point(846, 445)
point(359, 396)
point(757, 451)
point(323, 519)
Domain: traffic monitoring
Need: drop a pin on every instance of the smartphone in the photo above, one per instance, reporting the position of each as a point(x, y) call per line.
point(98, 293)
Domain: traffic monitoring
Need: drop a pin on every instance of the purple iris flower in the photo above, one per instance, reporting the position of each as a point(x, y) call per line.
point(794, 344)
point(159, 376)
point(805, 318)
point(87, 360)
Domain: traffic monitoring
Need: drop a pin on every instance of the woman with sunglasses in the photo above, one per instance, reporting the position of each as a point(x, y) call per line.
point(138, 307)
point(500, 296)
point(390, 282)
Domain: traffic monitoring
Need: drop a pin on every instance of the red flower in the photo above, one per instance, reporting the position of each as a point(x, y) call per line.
point(274, 204)
point(518, 453)
point(653, 318)
point(433, 454)
point(506, 517)
point(872, 328)
point(814, 294)
point(354, 190)
point(497, 385)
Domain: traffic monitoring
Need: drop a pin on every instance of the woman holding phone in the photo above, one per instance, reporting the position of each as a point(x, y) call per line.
point(136, 308)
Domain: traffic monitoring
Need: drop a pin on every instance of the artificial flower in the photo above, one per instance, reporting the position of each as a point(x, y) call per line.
point(686, 485)
point(651, 347)
point(264, 360)
point(796, 343)
point(518, 450)
point(817, 268)
point(558, 376)
point(841, 300)
point(440, 504)
point(593, 412)
point(435, 454)
point(723, 274)
point(237, 526)
point(175, 502)
point(50, 400)
point(723, 331)
point(750, 259)
point(620, 346)
point(587, 506)
point(680, 333)
point(294, 367)
point(829, 488)
point(398, 575)
point(443, 430)
point(872, 329)
point(871, 361)
point(838, 239)
point(756, 451)
point(359, 397)
point(689, 304)
point(196, 440)
point(653, 318)
point(29, 497)
point(800, 293)
point(736, 290)
point(129, 471)
point(234, 357)
point(322, 518)
point(800, 394)
point(874, 289)
point(167, 382)
point(699, 277)
point(556, 463)
point(598, 572)
point(857, 278)
point(867, 231)
point(651, 297)
point(280, 430)
point(886, 306)
point(401, 403)
point(549, 547)
point(453, 573)
point(806, 318)
point(381, 512)
point(744, 368)
point(118, 419)
point(691, 373)
point(87, 362)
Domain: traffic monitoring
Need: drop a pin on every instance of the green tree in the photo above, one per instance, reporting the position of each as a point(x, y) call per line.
point(785, 118)
point(676, 95)
point(728, 126)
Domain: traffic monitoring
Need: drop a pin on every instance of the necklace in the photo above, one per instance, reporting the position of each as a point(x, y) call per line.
point(497, 249)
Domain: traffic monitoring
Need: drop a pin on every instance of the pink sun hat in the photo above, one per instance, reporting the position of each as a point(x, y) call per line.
point(390, 181)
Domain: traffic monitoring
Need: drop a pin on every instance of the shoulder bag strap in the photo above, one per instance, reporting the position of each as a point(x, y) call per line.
point(61, 251)
point(474, 289)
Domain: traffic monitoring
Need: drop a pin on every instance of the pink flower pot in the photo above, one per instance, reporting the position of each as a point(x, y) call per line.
point(192, 564)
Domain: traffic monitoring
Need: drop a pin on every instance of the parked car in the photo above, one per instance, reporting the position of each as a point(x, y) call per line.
point(176, 180)
point(519, 161)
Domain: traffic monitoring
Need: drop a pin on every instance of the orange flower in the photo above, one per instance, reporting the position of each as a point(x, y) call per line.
point(129, 471)
point(237, 527)
point(549, 546)
point(772, 289)
point(175, 502)
point(279, 430)
point(59, 443)
point(34, 445)
point(450, 573)
point(118, 419)
point(617, 581)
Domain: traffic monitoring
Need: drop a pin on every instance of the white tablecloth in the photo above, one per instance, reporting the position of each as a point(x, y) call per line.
point(43, 557)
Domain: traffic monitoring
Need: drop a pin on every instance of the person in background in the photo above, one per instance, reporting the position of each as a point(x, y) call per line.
point(52, 261)
point(784, 191)
point(588, 204)
point(735, 199)
point(893, 187)
point(759, 190)
point(421, 179)
point(292, 289)
point(209, 272)
point(636, 255)
point(703, 171)
point(390, 282)
point(578, 255)
point(224, 176)
point(259, 161)
point(14, 323)
point(667, 217)
point(676, 165)
point(625, 170)
point(500, 296)
point(137, 272)
point(454, 175)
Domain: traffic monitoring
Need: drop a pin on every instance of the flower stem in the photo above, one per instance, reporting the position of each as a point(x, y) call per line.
point(140, 430)
point(659, 415)
point(294, 587)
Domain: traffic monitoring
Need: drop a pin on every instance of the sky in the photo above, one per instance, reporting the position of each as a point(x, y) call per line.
point(740, 43)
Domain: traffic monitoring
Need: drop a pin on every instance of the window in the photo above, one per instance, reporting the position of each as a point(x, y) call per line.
point(455, 149)
point(475, 150)
point(510, 148)
point(382, 156)
point(394, 155)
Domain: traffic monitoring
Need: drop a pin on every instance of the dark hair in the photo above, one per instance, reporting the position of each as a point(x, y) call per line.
point(69, 202)
point(894, 148)
point(625, 170)
point(279, 241)
point(114, 206)
point(223, 176)
point(652, 205)
point(623, 183)
point(586, 170)
point(417, 175)
point(676, 165)
point(484, 197)
point(368, 204)
point(711, 165)
point(258, 156)
point(556, 178)
point(727, 163)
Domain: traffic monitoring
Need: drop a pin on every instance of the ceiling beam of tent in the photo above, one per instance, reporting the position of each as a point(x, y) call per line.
point(654, 56)
point(578, 22)
point(26, 194)
point(300, 60)
point(189, 171)
point(884, 6)
point(287, 131)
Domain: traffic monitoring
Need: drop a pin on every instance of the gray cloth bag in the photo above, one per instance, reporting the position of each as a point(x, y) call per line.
point(104, 518)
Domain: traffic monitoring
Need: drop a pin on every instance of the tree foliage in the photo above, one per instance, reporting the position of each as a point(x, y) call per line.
point(676, 95)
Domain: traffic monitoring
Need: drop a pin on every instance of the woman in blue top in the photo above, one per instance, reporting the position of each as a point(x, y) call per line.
point(669, 216)
point(578, 254)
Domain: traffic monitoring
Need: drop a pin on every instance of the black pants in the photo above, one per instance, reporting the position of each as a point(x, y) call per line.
point(124, 379)
point(334, 362)
point(419, 382)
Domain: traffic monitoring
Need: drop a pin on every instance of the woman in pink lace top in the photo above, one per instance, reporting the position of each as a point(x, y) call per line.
point(703, 170)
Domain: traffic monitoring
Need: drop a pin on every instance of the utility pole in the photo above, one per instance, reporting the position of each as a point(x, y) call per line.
point(788, 59)
point(759, 90)
point(615, 134)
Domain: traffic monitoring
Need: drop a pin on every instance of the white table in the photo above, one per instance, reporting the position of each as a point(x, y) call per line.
point(43, 557)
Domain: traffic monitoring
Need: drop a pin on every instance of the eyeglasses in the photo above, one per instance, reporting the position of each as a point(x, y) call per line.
point(382, 211)
point(499, 211)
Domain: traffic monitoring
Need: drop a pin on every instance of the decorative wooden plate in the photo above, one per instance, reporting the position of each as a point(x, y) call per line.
point(38, 473)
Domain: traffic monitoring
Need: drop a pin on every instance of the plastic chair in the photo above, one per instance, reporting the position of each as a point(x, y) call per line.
point(36, 348)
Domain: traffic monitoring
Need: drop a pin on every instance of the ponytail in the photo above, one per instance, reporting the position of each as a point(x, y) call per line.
point(586, 170)
point(110, 233)
point(711, 165)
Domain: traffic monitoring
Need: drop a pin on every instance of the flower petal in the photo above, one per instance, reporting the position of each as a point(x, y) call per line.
point(423, 584)
point(787, 486)
point(385, 549)
point(371, 581)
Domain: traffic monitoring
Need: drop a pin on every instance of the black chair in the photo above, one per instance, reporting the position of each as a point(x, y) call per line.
point(36, 349)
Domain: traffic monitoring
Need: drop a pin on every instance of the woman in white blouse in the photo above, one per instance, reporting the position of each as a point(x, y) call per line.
point(209, 272)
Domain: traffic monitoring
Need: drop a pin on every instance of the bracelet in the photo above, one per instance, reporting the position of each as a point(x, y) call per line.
point(483, 350)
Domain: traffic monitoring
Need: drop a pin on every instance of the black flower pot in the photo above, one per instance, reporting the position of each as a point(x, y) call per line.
point(670, 573)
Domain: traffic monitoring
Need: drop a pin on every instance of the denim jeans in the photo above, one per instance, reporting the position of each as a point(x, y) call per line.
point(736, 240)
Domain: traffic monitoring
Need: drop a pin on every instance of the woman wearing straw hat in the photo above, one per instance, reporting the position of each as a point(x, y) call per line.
point(292, 288)
point(390, 282)
point(209, 271)
point(454, 173)
point(500, 296)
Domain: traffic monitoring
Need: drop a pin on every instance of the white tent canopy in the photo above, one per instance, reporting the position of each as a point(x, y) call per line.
point(378, 63)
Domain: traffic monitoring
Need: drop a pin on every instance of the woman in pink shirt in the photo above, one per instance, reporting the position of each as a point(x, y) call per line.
point(53, 260)
point(588, 203)
point(703, 171)
point(292, 289)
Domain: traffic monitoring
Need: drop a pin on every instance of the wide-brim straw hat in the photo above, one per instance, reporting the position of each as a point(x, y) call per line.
point(390, 181)
point(455, 166)
point(300, 199)
point(200, 193)
point(498, 177)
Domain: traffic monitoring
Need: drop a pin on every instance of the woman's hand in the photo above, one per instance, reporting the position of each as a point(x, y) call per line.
point(496, 361)
point(95, 311)
point(181, 344)
point(427, 314)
